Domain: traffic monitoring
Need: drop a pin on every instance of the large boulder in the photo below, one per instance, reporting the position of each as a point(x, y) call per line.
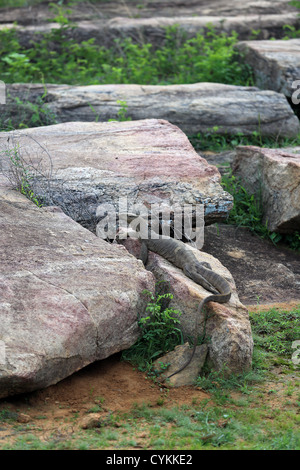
point(273, 175)
point(67, 298)
point(276, 64)
point(80, 166)
point(194, 108)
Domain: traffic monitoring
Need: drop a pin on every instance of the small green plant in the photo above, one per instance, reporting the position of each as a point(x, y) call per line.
point(123, 111)
point(160, 333)
point(21, 175)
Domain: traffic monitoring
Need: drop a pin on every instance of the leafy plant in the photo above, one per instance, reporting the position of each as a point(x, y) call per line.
point(56, 57)
point(160, 333)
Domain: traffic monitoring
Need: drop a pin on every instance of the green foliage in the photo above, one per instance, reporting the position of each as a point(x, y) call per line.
point(215, 140)
point(160, 333)
point(56, 57)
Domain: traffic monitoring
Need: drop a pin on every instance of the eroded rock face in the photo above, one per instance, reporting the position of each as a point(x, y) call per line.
point(83, 165)
point(226, 327)
point(275, 174)
point(67, 298)
point(276, 64)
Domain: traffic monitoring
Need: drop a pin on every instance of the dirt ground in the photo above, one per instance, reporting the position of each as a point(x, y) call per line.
point(113, 384)
point(117, 386)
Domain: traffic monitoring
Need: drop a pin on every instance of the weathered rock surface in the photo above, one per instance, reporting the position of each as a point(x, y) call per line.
point(88, 164)
point(147, 21)
point(67, 298)
point(275, 173)
point(193, 108)
point(227, 327)
point(112, 8)
point(276, 64)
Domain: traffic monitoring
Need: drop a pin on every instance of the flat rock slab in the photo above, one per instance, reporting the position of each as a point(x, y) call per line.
point(264, 274)
point(171, 362)
point(147, 21)
point(67, 298)
point(276, 64)
point(89, 164)
point(149, 8)
point(193, 108)
point(275, 174)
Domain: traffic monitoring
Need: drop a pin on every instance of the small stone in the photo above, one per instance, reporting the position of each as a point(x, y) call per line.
point(90, 422)
point(23, 418)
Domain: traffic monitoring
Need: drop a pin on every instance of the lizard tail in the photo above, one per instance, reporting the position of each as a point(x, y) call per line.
point(200, 307)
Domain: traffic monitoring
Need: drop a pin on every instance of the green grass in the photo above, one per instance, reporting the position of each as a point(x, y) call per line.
point(276, 330)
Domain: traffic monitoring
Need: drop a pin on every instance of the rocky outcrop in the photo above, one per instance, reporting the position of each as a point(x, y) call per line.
point(274, 175)
point(276, 64)
point(80, 166)
point(67, 298)
point(225, 327)
point(193, 108)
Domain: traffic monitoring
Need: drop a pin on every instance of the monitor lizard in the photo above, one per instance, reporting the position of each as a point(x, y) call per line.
point(179, 254)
